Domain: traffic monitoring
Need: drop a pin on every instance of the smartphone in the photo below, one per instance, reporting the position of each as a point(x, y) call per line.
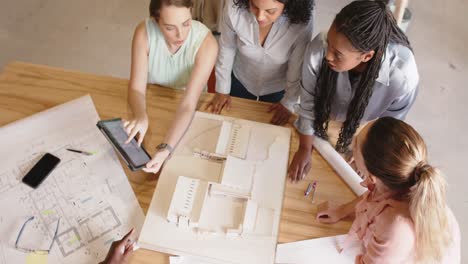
point(41, 170)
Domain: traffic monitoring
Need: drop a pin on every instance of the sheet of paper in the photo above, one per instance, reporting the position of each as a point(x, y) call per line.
point(90, 194)
point(319, 250)
point(341, 167)
point(187, 260)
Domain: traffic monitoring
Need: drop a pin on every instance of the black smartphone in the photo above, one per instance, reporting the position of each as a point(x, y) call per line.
point(41, 170)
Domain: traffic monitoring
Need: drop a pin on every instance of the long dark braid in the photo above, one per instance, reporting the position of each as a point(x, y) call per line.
point(368, 25)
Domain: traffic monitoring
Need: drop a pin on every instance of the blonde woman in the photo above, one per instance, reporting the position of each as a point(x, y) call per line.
point(403, 218)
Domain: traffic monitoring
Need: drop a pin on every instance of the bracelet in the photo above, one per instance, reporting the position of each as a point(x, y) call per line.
point(165, 146)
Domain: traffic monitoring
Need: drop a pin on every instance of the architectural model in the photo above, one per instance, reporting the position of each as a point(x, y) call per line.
point(219, 197)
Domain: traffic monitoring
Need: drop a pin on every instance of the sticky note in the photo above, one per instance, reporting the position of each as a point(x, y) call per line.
point(47, 212)
point(74, 239)
point(36, 258)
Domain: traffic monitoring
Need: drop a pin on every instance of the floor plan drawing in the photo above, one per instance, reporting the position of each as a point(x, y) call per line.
point(219, 197)
point(89, 195)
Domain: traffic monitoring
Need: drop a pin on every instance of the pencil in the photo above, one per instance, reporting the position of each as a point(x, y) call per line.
point(307, 191)
point(81, 152)
point(314, 187)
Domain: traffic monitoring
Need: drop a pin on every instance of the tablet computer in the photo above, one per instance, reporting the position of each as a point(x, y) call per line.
point(136, 157)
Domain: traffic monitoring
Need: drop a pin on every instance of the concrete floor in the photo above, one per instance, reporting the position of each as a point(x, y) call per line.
point(95, 36)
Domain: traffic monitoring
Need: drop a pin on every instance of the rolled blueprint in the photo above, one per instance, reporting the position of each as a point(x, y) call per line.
point(339, 165)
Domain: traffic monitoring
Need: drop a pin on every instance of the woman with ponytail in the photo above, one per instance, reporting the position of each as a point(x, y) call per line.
point(403, 217)
point(361, 70)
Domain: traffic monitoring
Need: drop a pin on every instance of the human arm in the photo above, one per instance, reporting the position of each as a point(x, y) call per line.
point(301, 163)
point(120, 250)
point(401, 105)
point(138, 124)
point(283, 110)
point(204, 62)
point(224, 63)
point(302, 160)
point(403, 84)
point(400, 6)
point(391, 240)
point(329, 215)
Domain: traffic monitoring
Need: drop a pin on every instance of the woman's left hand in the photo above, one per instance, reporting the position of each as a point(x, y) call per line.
point(281, 114)
point(154, 165)
point(329, 215)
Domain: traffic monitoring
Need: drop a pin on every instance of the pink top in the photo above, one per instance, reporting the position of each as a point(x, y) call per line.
point(386, 230)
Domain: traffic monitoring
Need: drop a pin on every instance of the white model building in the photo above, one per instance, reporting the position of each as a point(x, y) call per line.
point(219, 197)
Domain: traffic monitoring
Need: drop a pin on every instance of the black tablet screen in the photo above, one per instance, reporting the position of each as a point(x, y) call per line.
point(137, 155)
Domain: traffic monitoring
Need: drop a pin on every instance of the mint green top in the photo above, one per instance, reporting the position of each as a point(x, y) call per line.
point(167, 69)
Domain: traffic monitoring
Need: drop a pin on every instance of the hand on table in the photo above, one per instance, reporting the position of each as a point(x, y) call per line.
point(120, 250)
point(218, 102)
point(328, 214)
point(154, 165)
point(136, 126)
point(281, 114)
point(300, 165)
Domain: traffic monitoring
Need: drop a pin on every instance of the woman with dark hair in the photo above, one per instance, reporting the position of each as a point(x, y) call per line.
point(403, 217)
point(363, 69)
point(262, 48)
point(169, 49)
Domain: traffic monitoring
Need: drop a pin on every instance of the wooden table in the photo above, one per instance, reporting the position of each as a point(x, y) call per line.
point(26, 89)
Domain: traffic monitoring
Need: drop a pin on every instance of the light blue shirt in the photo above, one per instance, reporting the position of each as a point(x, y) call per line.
point(394, 93)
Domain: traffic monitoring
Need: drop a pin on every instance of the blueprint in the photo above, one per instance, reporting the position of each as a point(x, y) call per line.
point(90, 195)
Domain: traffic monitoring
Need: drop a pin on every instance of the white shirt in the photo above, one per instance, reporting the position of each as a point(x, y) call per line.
point(267, 69)
point(394, 93)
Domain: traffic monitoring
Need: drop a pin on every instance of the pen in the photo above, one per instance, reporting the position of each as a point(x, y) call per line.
point(314, 187)
point(309, 188)
point(81, 152)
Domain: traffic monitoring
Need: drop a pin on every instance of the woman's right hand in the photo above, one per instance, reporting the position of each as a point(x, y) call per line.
point(300, 164)
point(136, 126)
point(121, 250)
point(218, 102)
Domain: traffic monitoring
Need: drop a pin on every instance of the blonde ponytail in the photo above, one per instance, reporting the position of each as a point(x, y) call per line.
point(429, 213)
point(395, 153)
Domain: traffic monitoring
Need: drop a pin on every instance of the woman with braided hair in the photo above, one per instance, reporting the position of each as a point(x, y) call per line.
point(403, 217)
point(361, 70)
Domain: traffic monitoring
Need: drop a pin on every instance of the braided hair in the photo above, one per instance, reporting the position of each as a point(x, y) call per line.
point(368, 25)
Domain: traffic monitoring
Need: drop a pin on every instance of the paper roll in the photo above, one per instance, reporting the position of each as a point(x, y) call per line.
point(341, 167)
